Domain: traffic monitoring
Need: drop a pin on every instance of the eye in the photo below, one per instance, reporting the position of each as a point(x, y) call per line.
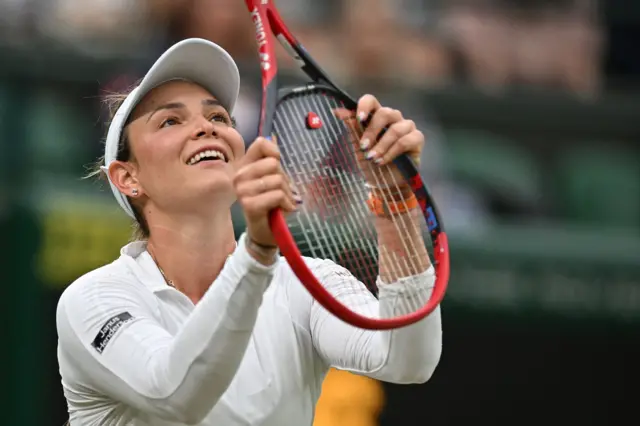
point(169, 122)
point(222, 118)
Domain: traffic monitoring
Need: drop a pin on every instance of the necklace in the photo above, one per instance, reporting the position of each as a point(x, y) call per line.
point(167, 280)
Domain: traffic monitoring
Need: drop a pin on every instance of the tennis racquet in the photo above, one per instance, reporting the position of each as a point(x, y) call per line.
point(339, 220)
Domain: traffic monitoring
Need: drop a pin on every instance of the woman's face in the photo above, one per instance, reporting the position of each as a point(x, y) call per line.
point(184, 148)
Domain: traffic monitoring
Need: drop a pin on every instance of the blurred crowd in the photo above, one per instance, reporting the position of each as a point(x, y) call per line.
point(491, 44)
point(391, 47)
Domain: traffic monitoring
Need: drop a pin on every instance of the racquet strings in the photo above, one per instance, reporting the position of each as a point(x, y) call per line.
point(321, 155)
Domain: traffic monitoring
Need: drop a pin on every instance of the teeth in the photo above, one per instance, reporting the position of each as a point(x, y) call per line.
point(210, 153)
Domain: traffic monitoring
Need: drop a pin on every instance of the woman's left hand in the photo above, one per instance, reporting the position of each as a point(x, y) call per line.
point(400, 137)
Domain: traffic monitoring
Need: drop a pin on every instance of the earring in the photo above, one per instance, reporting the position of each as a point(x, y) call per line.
point(134, 192)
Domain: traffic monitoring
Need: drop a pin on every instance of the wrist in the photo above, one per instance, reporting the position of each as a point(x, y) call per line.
point(263, 253)
point(389, 205)
point(391, 193)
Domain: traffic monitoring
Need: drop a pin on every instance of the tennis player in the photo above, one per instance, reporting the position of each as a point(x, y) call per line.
point(189, 326)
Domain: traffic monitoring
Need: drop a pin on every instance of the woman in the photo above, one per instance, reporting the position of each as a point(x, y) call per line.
point(187, 326)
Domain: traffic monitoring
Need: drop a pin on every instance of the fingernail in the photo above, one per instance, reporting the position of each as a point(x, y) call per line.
point(378, 160)
point(362, 116)
point(269, 138)
point(364, 144)
point(371, 155)
point(297, 198)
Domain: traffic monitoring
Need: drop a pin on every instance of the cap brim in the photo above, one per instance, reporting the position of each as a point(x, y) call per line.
point(197, 60)
point(200, 61)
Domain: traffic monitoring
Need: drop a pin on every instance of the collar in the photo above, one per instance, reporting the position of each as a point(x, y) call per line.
point(141, 263)
point(145, 269)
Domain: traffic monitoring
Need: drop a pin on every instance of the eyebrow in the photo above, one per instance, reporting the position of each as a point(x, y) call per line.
point(180, 105)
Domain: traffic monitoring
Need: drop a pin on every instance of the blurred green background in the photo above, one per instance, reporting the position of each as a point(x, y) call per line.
point(532, 111)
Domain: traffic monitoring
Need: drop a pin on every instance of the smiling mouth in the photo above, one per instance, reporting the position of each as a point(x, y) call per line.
point(208, 155)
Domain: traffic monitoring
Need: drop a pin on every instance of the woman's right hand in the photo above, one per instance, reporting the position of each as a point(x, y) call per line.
point(261, 186)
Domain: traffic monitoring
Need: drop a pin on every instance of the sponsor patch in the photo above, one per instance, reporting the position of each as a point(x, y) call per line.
point(109, 329)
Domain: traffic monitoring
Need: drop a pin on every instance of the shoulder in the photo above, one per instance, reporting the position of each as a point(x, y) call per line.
point(313, 263)
point(124, 273)
point(115, 276)
point(98, 296)
point(326, 271)
point(285, 279)
point(316, 265)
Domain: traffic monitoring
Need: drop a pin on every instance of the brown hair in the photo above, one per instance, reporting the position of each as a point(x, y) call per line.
point(113, 101)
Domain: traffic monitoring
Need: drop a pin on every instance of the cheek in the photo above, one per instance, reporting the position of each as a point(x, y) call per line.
point(162, 147)
point(157, 154)
point(237, 143)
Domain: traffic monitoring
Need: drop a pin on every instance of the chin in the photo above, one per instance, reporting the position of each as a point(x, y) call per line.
point(220, 186)
point(212, 171)
point(210, 182)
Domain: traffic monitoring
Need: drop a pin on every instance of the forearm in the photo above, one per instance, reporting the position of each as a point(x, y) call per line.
point(406, 280)
point(408, 354)
point(402, 250)
point(208, 351)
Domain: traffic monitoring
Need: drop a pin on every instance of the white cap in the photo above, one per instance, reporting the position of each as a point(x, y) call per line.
point(196, 60)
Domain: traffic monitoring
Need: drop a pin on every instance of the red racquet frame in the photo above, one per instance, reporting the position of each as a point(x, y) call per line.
point(267, 21)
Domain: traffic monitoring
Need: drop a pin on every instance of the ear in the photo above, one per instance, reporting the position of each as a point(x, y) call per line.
point(123, 174)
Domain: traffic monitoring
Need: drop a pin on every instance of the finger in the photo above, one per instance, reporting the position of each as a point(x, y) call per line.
point(288, 187)
point(354, 128)
point(265, 184)
point(391, 136)
point(367, 105)
point(381, 119)
point(258, 169)
point(261, 148)
point(343, 113)
point(410, 144)
point(262, 204)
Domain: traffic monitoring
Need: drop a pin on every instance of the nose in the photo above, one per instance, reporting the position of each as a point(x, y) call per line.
point(204, 128)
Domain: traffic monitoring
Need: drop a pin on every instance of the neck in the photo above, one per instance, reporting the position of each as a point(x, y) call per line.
point(191, 251)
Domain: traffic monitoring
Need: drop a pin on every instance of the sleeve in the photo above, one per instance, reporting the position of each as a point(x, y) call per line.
point(405, 355)
point(125, 354)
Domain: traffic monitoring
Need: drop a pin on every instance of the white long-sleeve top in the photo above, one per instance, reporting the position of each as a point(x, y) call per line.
point(253, 351)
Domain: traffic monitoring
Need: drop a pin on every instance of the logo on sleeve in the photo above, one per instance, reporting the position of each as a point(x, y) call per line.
point(109, 329)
